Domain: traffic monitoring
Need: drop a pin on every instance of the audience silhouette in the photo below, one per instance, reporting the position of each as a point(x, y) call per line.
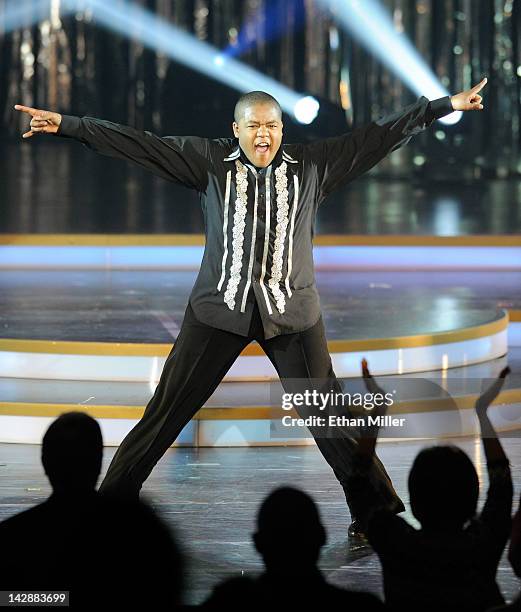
point(289, 537)
point(103, 551)
point(514, 556)
point(451, 562)
point(117, 552)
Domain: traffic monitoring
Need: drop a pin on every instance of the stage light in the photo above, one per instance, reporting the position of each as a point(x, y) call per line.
point(373, 27)
point(306, 109)
point(267, 17)
point(132, 20)
point(20, 15)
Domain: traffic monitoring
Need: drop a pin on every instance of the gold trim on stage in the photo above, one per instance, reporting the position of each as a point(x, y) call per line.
point(417, 240)
point(109, 240)
point(334, 346)
point(514, 316)
point(464, 402)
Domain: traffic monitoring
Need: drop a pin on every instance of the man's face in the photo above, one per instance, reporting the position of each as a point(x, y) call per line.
point(260, 133)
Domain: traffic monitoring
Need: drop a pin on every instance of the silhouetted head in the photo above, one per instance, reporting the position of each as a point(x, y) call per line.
point(289, 531)
point(72, 451)
point(258, 126)
point(443, 488)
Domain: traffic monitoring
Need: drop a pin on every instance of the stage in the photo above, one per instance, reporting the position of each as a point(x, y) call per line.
point(209, 497)
point(401, 200)
point(95, 340)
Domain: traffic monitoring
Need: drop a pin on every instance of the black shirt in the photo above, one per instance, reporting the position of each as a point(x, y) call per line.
point(290, 591)
point(259, 223)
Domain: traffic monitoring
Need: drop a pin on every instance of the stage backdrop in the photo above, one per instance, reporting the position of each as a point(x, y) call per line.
point(73, 64)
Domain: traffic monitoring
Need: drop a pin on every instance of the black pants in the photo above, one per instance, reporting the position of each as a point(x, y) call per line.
point(194, 368)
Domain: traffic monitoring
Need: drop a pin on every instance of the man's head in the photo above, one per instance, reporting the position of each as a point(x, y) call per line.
point(258, 126)
point(72, 450)
point(443, 488)
point(289, 532)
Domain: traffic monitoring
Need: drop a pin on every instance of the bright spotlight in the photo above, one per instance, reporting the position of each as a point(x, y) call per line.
point(374, 28)
point(452, 118)
point(306, 110)
point(156, 33)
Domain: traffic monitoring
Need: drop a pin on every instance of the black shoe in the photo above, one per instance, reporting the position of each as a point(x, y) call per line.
point(358, 528)
point(357, 531)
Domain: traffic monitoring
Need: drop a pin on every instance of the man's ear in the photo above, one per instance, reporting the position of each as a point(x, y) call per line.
point(235, 128)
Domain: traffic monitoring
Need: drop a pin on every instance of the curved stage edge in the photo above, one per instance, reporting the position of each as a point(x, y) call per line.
point(250, 423)
point(144, 362)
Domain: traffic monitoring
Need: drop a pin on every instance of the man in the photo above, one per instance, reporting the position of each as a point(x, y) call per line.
point(78, 541)
point(256, 282)
point(450, 563)
point(289, 538)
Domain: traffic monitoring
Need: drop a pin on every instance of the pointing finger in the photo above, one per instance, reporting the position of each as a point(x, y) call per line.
point(479, 86)
point(26, 109)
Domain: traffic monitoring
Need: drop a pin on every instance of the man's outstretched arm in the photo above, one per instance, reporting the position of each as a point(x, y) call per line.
point(341, 159)
point(182, 159)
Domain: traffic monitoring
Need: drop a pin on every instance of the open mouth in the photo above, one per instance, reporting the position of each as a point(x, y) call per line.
point(262, 147)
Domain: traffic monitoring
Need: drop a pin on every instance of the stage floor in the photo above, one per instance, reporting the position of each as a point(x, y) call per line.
point(394, 319)
point(210, 498)
point(148, 306)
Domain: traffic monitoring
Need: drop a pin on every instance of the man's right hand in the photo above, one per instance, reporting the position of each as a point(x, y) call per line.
point(42, 121)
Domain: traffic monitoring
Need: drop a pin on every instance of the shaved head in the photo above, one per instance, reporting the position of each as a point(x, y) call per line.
point(258, 126)
point(251, 99)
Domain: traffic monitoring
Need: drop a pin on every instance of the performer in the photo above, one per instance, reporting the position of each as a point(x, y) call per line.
point(256, 282)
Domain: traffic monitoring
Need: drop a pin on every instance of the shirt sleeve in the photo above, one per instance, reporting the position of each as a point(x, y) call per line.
point(181, 159)
point(341, 159)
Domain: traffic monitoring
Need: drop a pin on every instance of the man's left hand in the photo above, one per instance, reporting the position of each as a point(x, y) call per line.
point(470, 99)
